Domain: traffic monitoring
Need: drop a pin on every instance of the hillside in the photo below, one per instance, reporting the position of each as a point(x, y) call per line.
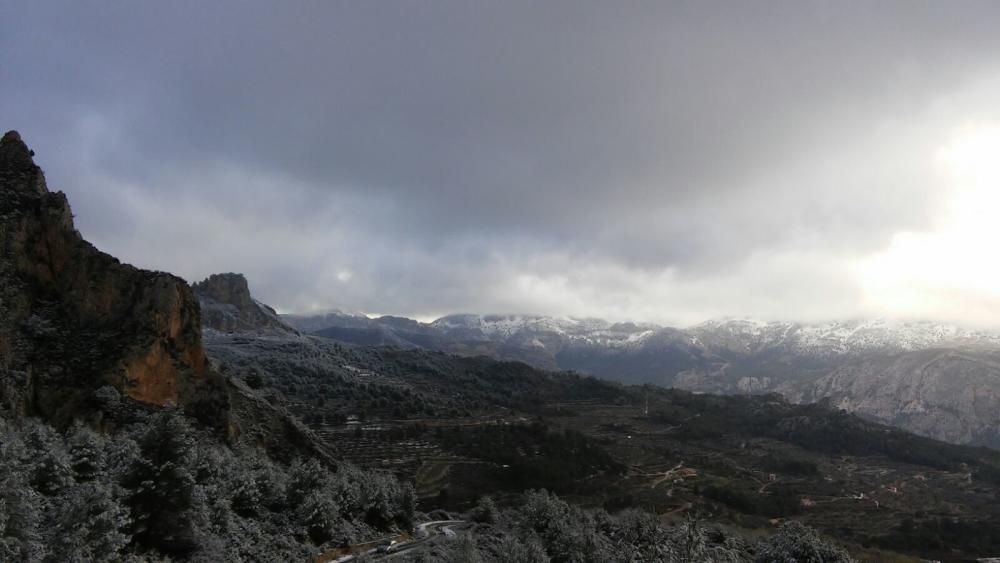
point(953, 398)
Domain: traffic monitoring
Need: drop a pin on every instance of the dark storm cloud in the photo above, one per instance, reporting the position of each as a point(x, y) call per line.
point(425, 157)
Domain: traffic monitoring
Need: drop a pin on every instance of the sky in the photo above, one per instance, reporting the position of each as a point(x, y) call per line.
point(659, 161)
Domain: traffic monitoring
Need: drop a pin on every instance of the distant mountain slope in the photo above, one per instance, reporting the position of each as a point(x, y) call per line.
point(836, 338)
point(850, 362)
point(312, 323)
point(951, 394)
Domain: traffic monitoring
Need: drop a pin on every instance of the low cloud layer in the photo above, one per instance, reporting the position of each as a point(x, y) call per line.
point(667, 162)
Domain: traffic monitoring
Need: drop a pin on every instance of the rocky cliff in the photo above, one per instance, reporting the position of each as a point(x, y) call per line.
point(228, 306)
point(72, 318)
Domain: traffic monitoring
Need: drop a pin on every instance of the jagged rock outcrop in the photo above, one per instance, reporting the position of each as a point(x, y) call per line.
point(228, 306)
point(73, 318)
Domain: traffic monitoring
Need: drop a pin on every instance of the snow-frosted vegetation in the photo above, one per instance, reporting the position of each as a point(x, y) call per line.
point(161, 490)
point(547, 529)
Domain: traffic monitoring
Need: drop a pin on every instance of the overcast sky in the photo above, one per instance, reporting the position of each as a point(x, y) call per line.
point(660, 161)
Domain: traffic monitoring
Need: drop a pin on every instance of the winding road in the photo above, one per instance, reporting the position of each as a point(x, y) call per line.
point(400, 544)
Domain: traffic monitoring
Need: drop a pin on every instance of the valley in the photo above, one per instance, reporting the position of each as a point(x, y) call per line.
point(473, 424)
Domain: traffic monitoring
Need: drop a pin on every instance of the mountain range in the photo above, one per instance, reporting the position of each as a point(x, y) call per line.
point(935, 379)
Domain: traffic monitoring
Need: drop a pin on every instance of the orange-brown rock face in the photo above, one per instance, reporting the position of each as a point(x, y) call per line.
point(152, 377)
point(72, 318)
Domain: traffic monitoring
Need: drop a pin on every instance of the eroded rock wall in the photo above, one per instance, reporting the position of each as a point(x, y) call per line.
point(72, 318)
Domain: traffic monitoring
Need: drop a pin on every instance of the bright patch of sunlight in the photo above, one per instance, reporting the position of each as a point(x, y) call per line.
point(955, 265)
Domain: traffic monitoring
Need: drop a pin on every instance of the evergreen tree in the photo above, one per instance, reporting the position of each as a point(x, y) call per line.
point(165, 501)
point(89, 523)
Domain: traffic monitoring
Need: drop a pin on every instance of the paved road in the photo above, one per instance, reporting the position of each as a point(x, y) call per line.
point(425, 532)
point(422, 533)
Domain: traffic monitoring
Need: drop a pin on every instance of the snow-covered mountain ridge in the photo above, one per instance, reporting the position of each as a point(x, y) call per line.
point(596, 331)
point(936, 379)
point(721, 336)
point(738, 335)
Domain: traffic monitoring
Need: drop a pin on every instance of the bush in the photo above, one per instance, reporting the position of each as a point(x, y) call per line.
point(797, 543)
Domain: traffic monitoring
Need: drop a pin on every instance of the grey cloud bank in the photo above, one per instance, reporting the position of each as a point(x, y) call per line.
point(649, 161)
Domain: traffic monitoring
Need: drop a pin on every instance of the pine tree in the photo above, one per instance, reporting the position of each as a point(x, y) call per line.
point(89, 523)
point(165, 502)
